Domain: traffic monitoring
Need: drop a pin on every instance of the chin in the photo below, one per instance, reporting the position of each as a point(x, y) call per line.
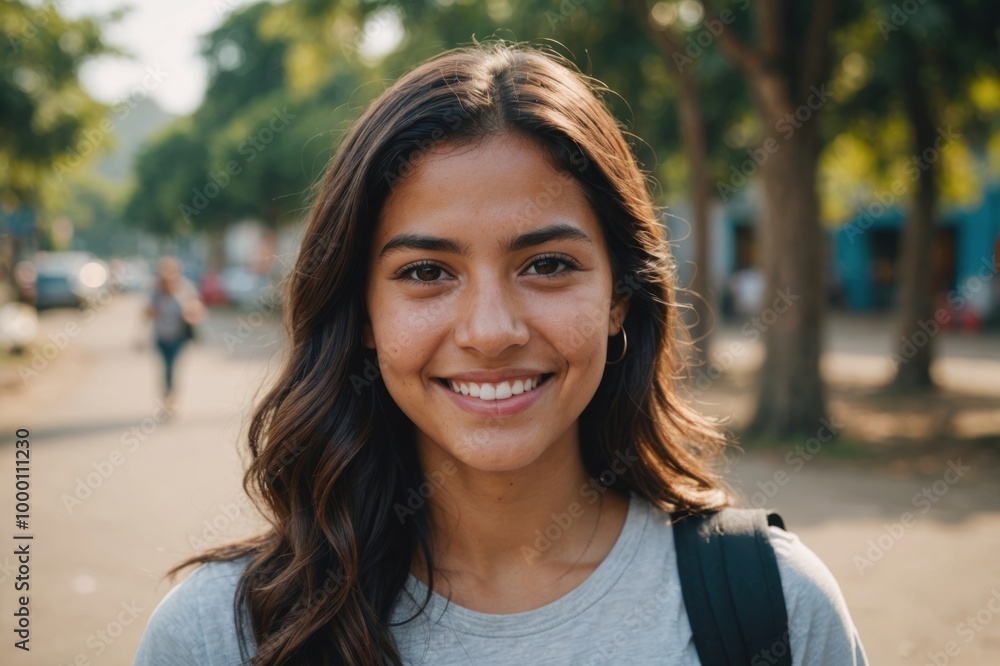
point(491, 451)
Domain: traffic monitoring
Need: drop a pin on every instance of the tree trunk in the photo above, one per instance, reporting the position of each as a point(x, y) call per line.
point(695, 145)
point(914, 347)
point(788, 95)
point(791, 396)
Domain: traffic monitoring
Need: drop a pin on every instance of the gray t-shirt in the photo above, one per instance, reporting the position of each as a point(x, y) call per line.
point(168, 319)
point(629, 611)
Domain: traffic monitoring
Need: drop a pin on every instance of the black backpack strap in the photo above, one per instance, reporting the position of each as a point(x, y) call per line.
point(732, 587)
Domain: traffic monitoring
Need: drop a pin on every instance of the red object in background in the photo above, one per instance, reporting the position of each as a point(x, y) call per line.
point(962, 319)
point(211, 289)
point(970, 320)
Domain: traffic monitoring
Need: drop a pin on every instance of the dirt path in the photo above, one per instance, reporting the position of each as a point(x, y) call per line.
point(913, 564)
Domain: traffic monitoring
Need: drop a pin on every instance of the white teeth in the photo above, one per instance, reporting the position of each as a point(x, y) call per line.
point(501, 391)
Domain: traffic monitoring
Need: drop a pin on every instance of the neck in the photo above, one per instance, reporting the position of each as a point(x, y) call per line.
point(529, 526)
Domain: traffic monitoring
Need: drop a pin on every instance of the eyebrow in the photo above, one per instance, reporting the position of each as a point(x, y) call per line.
point(560, 231)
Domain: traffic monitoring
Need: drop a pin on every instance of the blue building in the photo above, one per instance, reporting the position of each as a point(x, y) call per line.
point(966, 247)
point(862, 254)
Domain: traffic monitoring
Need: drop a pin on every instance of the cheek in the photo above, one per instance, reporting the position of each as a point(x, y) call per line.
point(576, 327)
point(405, 335)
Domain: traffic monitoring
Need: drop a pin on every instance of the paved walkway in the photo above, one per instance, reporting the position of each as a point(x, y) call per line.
point(118, 492)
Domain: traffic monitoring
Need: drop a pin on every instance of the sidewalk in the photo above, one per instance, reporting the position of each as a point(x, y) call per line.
point(117, 491)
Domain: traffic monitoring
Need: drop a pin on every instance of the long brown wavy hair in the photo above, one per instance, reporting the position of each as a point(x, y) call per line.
point(333, 457)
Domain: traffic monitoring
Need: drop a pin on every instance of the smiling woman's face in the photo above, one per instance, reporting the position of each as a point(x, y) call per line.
point(490, 273)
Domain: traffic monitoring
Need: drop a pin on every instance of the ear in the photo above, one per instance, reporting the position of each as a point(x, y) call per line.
point(619, 310)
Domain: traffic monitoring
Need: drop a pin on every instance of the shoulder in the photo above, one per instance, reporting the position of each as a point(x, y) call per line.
point(819, 622)
point(195, 621)
point(820, 625)
point(188, 288)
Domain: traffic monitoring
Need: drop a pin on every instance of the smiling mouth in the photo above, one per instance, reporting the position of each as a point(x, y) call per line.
point(496, 391)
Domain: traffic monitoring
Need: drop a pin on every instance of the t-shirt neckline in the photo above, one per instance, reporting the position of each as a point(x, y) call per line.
point(543, 618)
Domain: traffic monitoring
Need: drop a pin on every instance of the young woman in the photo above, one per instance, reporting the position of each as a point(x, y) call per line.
point(474, 448)
point(174, 306)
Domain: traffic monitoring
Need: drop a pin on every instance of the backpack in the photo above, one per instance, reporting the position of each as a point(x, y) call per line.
point(732, 587)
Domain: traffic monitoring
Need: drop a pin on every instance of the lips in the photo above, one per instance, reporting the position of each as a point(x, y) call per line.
point(498, 391)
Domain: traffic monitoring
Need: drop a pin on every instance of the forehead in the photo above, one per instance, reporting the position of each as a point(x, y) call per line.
point(495, 188)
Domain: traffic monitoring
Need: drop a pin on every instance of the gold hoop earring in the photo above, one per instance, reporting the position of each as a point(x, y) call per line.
point(624, 349)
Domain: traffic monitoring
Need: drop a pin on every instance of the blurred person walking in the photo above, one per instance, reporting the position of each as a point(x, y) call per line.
point(175, 309)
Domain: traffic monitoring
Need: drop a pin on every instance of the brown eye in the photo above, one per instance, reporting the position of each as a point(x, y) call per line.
point(427, 273)
point(547, 266)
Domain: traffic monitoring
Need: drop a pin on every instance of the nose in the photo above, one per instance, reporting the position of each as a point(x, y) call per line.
point(490, 317)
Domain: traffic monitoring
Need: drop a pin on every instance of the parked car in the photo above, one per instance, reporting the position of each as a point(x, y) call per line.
point(131, 274)
point(68, 279)
point(244, 288)
point(210, 286)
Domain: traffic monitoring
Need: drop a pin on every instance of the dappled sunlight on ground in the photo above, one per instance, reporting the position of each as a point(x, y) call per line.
point(961, 414)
